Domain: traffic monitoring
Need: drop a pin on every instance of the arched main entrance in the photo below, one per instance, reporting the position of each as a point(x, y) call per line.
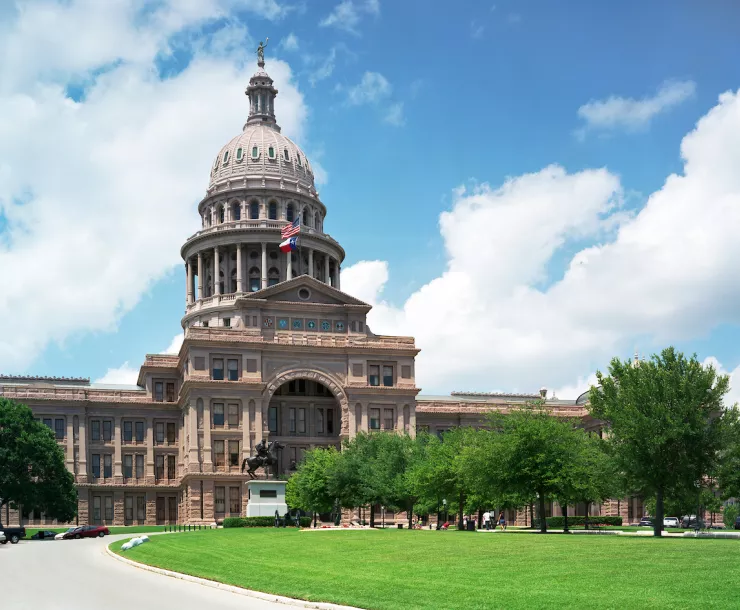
point(306, 409)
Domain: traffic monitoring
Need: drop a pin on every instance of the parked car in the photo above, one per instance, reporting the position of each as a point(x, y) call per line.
point(646, 522)
point(671, 522)
point(12, 534)
point(3, 539)
point(737, 523)
point(44, 535)
point(61, 535)
point(691, 522)
point(86, 531)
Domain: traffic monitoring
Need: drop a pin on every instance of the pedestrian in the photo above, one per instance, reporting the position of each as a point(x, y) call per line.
point(502, 520)
point(487, 520)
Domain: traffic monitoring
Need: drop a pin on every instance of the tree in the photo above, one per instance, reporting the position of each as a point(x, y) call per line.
point(309, 487)
point(32, 470)
point(665, 420)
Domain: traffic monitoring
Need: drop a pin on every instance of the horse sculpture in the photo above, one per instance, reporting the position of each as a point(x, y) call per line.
point(266, 456)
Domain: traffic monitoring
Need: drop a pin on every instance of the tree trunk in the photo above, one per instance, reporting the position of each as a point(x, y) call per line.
point(460, 507)
point(543, 518)
point(480, 518)
point(659, 511)
point(372, 515)
point(585, 517)
point(564, 507)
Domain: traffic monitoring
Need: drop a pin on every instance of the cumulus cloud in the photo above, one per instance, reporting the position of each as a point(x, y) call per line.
point(348, 14)
point(632, 114)
point(123, 375)
point(97, 193)
point(290, 42)
point(175, 345)
point(667, 273)
point(394, 116)
point(372, 88)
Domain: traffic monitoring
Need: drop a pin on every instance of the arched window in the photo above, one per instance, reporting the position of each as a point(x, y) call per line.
point(221, 213)
point(226, 157)
point(239, 154)
point(254, 279)
point(273, 276)
point(289, 213)
point(317, 221)
point(221, 281)
point(305, 217)
point(232, 283)
point(273, 211)
point(271, 152)
point(236, 211)
point(254, 210)
point(286, 154)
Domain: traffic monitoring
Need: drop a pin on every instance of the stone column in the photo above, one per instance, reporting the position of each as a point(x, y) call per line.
point(70, 452)
point(82, 476)
point(200, 275)
point(189, 273)
point(149, 453)
point(412, 420)
point(327, 279)
point(119, 509)
point(399, 418)
point(310, 262)
point(245, 429)
point(192, 448)
point(289, 272)
point(207, 460)
point(259, 432)
point(216, 267)
point(351, 414)
point(117, 474)
point(239, 283)
point(151, 508)
point(365, 418)
point(264, 265)
point(339, 275)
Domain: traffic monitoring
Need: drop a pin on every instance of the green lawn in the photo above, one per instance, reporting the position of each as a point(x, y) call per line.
point(122, 529)
point(428, 569)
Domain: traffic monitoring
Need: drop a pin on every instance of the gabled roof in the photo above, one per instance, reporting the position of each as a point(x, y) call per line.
point(273, 293)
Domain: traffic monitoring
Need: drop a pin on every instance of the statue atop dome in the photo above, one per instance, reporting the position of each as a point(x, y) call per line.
point(261, 53)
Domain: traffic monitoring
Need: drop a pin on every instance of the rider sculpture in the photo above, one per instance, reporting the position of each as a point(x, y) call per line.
point(266, 456)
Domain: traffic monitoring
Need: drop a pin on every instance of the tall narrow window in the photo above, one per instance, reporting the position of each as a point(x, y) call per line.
point(140, 508)
point(301, 421)
point(96, 465)
point(375, 419)
point(289, 213)
point(218, 451)
point(319, 421)
point(109, 508)
point(128, 431)
point(272, 423)
point(171, 433)
point(218, 414)
point(233, 367)
point(139, 431)
point(59, 428)
point(387, 375)
point(239, 154)
point(129, 508)
point(233, 415)
point(389, 420)
point(170, 391)
point(291, 417)
point(330, 421)
point(255, 152)
point(107, 466)
point(233, 453)
point(139, 466)
point(273, 211)
point(220, 503)
point(373, 374)
point(170, 467)
point(159, 432)
point(49, 423)
point(286, 154)
point(218, 368)
point(271, 152)
point(305, 217)
point(226, 157)
point(95, 429)
point(159, 391)
point(159, 467)
point(254, 210)
point(96, 509)
point(128, 467)
point(107, 431)
point(234, 501)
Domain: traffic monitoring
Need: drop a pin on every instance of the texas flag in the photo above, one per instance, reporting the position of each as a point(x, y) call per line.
point(289, 244)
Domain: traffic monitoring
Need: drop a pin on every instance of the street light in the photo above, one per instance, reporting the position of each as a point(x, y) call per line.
point(382, 513)
point(444, 504)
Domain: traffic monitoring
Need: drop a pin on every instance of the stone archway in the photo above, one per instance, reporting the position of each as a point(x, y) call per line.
point(322, 377)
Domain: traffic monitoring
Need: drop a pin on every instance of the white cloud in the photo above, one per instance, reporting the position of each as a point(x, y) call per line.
point(99, 194)
point(123, 375)
point(394, 116)
point(370, 90)
point(175, 345)
point(348, 14)
point(667, 273)
point(733, 396)
point(290, 42)
point(631, 114)
point(365, 280)
point(325, 68)
point(476, 29)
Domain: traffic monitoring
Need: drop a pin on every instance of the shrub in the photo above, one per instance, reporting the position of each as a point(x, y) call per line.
point(729, 514)
point(306, 521)
point(559, 522)
point(249, 522)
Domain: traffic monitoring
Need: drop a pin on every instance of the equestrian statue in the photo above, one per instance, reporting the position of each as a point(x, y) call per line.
point(266, 456)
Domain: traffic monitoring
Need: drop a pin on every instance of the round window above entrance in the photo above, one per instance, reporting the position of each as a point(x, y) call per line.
point(304, 294)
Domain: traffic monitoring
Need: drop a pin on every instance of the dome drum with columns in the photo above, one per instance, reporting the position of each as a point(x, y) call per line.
point(260, 182)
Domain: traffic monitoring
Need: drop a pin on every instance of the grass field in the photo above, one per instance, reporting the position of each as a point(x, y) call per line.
point(123, 529)
point(394, 569)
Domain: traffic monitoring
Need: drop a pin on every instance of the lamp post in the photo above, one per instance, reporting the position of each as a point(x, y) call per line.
point(444, 504)
point(382, 515)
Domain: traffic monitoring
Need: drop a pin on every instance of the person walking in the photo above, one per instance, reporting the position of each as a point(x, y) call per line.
point(487, 520)
point(502, 520)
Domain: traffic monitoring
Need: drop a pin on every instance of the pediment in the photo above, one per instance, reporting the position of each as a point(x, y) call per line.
point(304, 289)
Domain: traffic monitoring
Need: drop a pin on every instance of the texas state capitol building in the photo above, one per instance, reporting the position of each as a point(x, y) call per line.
point(273, 349)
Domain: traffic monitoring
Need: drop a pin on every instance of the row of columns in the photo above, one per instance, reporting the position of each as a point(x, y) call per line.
point(330, 278)
point(211, 216)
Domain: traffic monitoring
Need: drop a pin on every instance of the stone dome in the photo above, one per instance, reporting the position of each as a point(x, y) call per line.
point(261, 151)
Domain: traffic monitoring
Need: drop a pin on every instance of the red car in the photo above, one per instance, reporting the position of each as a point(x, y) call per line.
point(86, 531)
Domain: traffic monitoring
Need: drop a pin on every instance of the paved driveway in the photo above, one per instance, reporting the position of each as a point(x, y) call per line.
point(79, 575)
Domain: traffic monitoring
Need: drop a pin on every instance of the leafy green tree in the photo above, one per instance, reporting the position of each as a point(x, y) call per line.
point(729, 514)
point(308, 488)
point(665, 420)
point(32, 470)
point(728, 469)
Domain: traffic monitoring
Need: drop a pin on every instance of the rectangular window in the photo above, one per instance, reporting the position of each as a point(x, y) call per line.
point(272, 424)
point(139, 431)
point(96, 509)
point(387, 375)
point(218, 454)
point(218, 414)
point(234, 501)
point(170, 391)
point(170, 467)
point(171, 433)
point(218, 369)
point(159, 432)
point(129, 508)
point(291, 414)
point(108, 508)
point(159, 391)
point(159, 467)
point(49, 423)
point(388, 424)
point(128, 466)
point(107, 466)
point(59, 428)
point(139, 466)
point(375, 419)
point(107, 431)
point(95, 430)
point(128, 431)
point(233, 453)
point(227, 321)
point(330, 421)
point(268, 493)
point(96, 465)
point(140, 508)
point(233, 416)
point(373, 374)
point(301, 421)
point(319, 421)
point(220, 500)
point(233, 366)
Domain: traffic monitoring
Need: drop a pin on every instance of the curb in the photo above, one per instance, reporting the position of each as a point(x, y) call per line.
point(268, 597)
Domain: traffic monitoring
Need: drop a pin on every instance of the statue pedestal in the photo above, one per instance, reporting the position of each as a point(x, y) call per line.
point(266, 497)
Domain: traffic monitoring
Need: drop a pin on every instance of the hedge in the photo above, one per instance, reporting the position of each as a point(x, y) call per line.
point(260, 522)
point(593, 520)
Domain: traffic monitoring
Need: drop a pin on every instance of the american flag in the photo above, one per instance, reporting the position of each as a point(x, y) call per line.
point(292, 229)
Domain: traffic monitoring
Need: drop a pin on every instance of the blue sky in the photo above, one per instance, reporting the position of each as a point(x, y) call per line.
point(465, 95)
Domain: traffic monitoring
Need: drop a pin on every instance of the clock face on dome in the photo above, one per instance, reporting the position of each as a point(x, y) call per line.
point(325, 326)
point(311, 324)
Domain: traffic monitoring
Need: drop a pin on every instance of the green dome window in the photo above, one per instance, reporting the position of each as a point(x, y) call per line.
point(226, 157)
point(255, 152)
point(239, 154)
point(271, 152)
